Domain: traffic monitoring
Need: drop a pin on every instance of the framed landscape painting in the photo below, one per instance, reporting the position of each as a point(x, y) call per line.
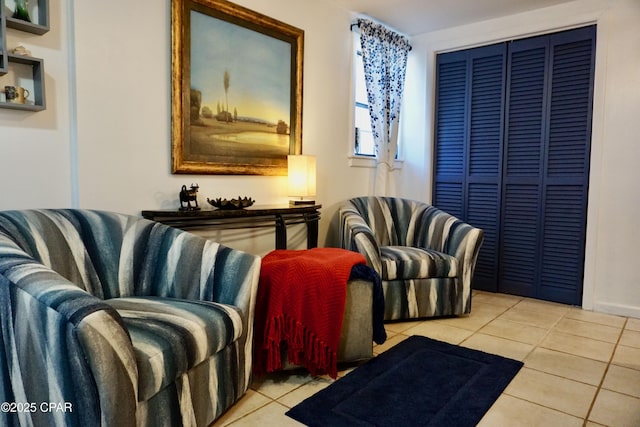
point(236, 90)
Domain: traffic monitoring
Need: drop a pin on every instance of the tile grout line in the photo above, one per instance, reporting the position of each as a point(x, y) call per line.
point(606, 371)
point(549, 330)
point(545, 407)
point(483, 326)
point(533, 348)
point(536, 346)
point(541, 340)
point(270, 401)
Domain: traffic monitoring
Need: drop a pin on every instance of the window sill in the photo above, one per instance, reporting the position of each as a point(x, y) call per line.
point(370, 162)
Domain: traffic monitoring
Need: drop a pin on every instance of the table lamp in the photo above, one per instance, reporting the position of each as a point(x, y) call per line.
point(302, 179)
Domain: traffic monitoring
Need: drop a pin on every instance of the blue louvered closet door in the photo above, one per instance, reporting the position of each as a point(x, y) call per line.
point(512, 143)
point(469, 137)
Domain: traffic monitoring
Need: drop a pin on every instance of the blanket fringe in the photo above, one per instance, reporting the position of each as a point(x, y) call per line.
point(303, 347)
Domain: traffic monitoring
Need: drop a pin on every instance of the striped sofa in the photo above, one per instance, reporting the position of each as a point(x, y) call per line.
point(425, 256)
point(120, 321)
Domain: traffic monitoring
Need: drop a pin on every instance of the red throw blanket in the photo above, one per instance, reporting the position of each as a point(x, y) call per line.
point(301, 299)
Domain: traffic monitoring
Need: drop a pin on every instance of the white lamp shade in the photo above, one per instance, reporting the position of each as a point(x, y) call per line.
point(302, 175)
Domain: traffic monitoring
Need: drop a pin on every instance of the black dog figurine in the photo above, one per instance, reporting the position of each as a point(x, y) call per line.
point(187, 196)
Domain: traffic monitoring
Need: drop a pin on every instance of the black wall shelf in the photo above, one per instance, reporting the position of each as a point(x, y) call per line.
point(37, 68)
point(28, 27)
point(9, 61)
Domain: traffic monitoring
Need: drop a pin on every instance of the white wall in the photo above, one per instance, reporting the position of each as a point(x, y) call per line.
point(124, 117)
point(612, 279)
point(104, 141)
point(414, 180)
point(35, 166)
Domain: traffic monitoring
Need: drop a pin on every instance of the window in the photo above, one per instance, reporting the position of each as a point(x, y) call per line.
point(364, 151)
point(363, 137)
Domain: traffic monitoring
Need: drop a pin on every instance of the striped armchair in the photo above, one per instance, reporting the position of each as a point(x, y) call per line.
point(120, 321)
point(425, 256)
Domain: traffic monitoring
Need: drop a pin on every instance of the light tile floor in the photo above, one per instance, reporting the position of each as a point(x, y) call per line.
point(581, 368)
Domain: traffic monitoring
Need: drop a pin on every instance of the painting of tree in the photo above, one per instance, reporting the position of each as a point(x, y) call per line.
point(243, 85)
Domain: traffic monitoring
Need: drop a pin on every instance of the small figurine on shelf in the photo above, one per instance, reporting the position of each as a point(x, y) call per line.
point(21, 50)
point(187, 196)
point(21, 11)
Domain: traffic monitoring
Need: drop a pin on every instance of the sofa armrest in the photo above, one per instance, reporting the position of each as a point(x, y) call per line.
point(464, 242)
point(357, 236)
point(230, 276)
point(440, 231)
point(62, 345)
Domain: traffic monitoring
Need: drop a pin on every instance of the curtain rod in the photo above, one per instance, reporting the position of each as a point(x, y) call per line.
point(356, 25)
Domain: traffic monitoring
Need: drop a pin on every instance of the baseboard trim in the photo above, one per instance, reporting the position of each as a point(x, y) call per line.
point(617, 309)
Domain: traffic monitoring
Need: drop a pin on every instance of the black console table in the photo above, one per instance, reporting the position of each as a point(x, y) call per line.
point(252, 217)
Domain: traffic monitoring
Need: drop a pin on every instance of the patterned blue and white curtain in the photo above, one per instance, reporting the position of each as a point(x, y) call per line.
point(384, 54)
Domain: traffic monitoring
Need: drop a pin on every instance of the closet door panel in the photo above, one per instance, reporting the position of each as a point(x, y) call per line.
point(450, 132)
point(525, 113)
point(567, 165)
point(483, 179)
point(570, 109)
point(519, 248)
point(468, 146)
point(563, 244)
point(487, 104)
point(523, 167)
point(483, 212)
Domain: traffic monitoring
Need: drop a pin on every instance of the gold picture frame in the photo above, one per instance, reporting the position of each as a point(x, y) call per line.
point(236, 86)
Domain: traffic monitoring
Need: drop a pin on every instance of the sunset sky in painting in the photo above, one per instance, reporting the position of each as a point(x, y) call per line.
point(258, 65)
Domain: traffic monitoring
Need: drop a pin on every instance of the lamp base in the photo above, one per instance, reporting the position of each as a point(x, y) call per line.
point(302, 202)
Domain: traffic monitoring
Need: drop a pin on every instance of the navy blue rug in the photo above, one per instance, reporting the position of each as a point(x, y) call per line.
point(419, 382)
